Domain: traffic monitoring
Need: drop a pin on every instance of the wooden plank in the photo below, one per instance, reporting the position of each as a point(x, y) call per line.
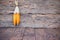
point(40, 34)
point(11, 33)
point(52, 34)
point(35, 21)
point(31, 6)
point(29, 34)
point(47, 34)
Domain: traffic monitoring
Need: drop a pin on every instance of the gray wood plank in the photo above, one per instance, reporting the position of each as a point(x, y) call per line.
point(29, 34)
point(34, 21)
point(47, 34)
point(11, 33)
point(40, 34)
point(31, 6)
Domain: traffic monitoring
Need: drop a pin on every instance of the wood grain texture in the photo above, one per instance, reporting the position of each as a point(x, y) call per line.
point(29, 34)
point(32, 20)
point(11, 33)
point(35, 8)
point(31, 6)
point(47, 34)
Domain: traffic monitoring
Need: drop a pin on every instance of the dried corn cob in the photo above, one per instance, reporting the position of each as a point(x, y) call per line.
point(16, 15)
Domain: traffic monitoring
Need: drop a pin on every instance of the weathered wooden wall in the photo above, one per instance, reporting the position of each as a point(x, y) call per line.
point(34, 13)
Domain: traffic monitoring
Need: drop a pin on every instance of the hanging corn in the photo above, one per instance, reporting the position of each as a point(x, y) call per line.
point(16, 15)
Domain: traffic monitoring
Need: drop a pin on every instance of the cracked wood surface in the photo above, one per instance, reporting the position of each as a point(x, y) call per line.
point(29, 34)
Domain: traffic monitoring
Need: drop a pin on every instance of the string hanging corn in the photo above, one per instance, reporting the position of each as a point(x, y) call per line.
point(16, 15)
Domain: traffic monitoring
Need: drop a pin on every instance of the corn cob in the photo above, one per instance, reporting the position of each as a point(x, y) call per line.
point(16, 15)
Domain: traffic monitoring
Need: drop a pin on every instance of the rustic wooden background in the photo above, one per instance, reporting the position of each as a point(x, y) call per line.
point(29, 34)
point(34, 13)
